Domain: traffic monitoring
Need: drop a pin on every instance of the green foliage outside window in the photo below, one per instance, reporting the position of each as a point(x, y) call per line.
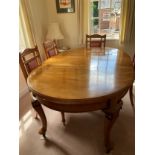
point(95, 9)
point(95, 22)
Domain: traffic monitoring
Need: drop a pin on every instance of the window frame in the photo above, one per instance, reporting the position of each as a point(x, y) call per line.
point(114, 29)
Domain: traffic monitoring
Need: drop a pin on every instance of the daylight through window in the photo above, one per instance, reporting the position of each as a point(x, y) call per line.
point(105, 17)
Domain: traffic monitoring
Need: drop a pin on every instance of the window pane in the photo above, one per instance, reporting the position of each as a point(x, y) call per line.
point(95, 25)
point(95, 9)
point(105, 4)
point(105, 17)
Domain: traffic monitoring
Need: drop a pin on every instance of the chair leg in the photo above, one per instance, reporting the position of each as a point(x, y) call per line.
point(63, 118)
point(131, 96)
point(36, 117)
point(35, 114)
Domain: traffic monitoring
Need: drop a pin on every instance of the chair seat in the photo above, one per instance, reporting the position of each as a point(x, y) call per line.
point(95, 40)
point(95, 43)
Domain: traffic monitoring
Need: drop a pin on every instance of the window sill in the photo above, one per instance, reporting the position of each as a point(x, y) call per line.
point(112, 38)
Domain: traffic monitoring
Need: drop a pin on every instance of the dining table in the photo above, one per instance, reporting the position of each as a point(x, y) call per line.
point(83, 80)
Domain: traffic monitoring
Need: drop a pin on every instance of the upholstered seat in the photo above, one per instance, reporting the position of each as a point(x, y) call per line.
point(29, 59)
point(50, 48)
point(95, 40)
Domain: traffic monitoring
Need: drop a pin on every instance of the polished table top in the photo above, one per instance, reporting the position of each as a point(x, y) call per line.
point(82, 80)
point(82, 74)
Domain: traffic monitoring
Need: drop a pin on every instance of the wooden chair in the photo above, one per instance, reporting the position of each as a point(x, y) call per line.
point(30, 59)
point(50, 48)
point(95, 40)
point(131, 88)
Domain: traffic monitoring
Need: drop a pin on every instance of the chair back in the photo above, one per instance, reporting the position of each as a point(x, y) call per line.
point(50, 48)
point(95, 40)
point(29, 59)
point(133, 61)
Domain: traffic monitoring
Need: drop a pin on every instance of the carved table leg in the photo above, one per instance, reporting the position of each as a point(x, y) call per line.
point(111, 114)
point(36, 116)
point(131, 96)
point(63, 118)
point(109, 122)
point(37, 106)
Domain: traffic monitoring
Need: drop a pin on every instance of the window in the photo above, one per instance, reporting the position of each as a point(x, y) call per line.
point(105, 17)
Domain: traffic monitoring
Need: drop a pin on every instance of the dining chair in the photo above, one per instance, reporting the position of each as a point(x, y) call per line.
point(29, 59)
point(50, 48)
point(95, 40)
point(131, 88)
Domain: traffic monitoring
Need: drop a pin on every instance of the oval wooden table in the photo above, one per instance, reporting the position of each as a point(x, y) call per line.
point(82, 80)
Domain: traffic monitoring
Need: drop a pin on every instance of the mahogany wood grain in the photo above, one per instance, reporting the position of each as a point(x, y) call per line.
point(83, 80)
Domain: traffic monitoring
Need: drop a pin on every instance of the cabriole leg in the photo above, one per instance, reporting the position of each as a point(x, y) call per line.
point(37, 106)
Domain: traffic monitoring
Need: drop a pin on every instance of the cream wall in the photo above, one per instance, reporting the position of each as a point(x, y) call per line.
point(67, 22)
point(42, 13)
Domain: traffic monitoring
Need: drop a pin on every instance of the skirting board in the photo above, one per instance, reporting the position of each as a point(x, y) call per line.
point(23, 92)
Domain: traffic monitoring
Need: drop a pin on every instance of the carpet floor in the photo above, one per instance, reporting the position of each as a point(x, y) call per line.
point(82, 135)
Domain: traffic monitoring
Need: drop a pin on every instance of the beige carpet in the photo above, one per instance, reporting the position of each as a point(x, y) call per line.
point(83, 134)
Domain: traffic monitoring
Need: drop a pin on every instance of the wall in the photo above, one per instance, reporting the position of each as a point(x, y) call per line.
point(67, 21)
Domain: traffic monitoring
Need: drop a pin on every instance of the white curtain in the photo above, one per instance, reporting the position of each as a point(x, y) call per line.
point(127, 33)
point(82, 20)
point(25, 30)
